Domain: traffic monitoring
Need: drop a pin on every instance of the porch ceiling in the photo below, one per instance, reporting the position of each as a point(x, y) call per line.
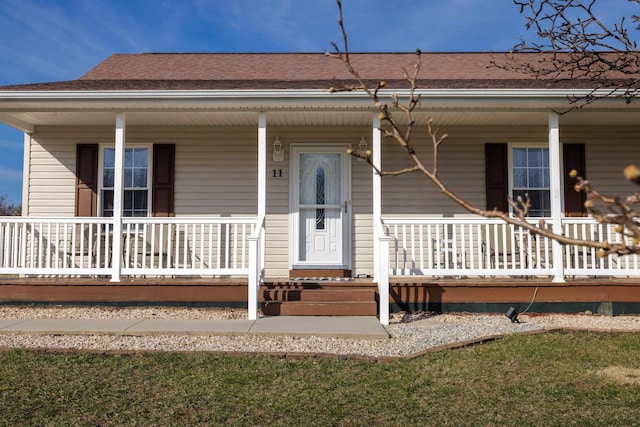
point(28, 120)
point(314, 109)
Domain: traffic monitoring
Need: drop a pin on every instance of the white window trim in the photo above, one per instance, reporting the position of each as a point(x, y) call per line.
point(510, 147)
point(149, 148)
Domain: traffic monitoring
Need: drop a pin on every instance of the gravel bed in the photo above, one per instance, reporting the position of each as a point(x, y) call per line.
point(410, 333)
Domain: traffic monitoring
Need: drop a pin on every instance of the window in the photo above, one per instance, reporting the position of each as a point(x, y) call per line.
point(136, 181)
point(530, 175)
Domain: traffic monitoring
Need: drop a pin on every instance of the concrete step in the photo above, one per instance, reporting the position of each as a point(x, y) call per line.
point(319, 308)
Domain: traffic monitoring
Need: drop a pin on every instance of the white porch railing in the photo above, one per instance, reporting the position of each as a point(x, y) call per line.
point(150, 246)
point(485, 247)
point(582, 261)
point(68, 246)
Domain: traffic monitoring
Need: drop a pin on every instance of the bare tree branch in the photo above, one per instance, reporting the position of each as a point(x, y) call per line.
point(616, 210)
point(576, 45)
point(7, 208)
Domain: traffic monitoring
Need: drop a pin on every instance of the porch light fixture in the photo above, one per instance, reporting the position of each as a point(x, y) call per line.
point(278, 154)
point(512, 314)
point(362, 147)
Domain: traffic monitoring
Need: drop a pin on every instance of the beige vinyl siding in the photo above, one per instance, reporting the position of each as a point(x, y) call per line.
point(216, 171)
point(461, 167)
point(215, 167)
point(51, 182)
point(608, 150)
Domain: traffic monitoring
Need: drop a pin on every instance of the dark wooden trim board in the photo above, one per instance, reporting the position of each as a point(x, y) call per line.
point(409, 294)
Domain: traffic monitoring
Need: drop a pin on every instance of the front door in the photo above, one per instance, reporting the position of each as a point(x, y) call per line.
point(320, 206)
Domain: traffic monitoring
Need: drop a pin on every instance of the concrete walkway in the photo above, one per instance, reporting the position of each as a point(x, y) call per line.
point(359, 327)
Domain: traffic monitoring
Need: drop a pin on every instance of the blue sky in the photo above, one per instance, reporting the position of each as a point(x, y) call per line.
point(53, 40)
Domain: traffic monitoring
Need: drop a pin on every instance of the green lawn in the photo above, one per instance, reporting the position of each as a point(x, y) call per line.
point(547, 379)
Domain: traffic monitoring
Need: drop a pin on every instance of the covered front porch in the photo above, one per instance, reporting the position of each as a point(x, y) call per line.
point(241, 233)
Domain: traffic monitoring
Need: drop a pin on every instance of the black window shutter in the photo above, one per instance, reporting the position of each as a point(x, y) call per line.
point(163, 177)
point(496, 176)
point(86, 180)
point(573, 157)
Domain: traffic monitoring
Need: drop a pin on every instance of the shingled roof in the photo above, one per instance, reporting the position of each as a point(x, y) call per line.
point(190, 71)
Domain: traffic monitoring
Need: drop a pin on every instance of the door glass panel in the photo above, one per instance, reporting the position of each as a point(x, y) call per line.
point(320, 186)
point(310, 163)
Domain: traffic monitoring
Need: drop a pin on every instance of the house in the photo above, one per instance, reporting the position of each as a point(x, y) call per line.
point(199, 177)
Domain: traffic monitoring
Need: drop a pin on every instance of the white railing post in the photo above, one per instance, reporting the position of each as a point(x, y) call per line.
point(383, 274)
point(253, 281)
point(256, 255)
point(555, 168)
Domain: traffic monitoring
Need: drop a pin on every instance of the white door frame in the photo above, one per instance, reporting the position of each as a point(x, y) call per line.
point(294, 198)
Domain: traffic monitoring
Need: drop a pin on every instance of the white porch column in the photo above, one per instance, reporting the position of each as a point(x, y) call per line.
point(380, 241)
point(377, 194)
point(555, 176)
point(26, 171)
point(118, 198)
point(257, 244)
point(262, 164)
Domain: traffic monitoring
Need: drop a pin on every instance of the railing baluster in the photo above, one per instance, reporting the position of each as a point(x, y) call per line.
point(244, 246)
point(145, 244)
point(413, 248)
point(4, 244)
point(153, 244)
point(170, 247)
point(445, 246)
point(3, 241)
point(463, 261)
point(404, 248)
point(430, 245)
point(210, 254)
point(235, 245)
point(227, 247)
point(201, 245)
point(421, 246)
point(472, 247)
point(219, 247)
point(23, 246)
point(397, 247)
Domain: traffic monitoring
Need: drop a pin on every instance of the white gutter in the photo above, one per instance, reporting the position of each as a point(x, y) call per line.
point(85, 95)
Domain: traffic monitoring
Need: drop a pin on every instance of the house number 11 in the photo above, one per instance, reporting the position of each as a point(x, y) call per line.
point(277, 173)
